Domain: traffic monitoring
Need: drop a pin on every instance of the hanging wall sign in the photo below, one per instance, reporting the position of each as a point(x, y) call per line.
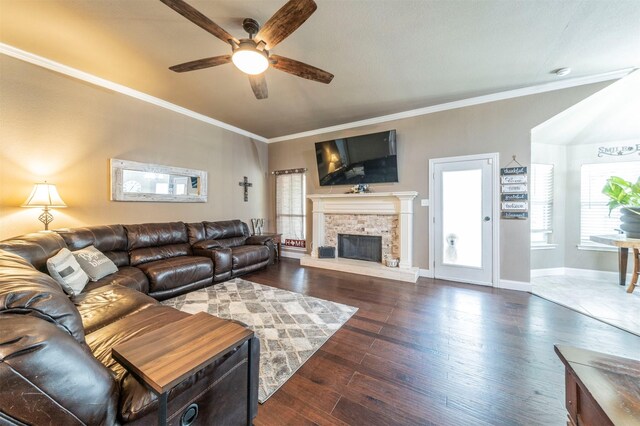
point(515, 200)
point(515, 215)
point(519, 187)
point(515, 197)
point(515, 205)
point(520, 170)
point(513, 179)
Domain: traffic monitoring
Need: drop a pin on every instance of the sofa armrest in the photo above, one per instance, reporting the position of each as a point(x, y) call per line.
point(207, 244)
point(222, 259)
point(49, 378)
point(259, 239)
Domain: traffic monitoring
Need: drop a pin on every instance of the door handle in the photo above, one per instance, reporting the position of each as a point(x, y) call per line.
point(487, 219)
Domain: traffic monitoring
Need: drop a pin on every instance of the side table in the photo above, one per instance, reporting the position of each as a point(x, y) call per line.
point(277, 240)
point(163, 358)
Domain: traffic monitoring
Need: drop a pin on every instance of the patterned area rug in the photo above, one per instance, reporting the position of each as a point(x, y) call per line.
point(291, 326)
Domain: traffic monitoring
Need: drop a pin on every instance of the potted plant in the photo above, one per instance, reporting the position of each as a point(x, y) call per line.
point(626, 195)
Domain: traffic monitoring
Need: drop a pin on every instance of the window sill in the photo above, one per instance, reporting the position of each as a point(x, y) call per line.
point(543, 246)
point(596, 247)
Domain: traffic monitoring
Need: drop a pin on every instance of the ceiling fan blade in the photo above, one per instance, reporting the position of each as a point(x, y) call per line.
point(301, 69)
point(201, 63)
point(259, 86)
point(285, 21)
point(199, 19)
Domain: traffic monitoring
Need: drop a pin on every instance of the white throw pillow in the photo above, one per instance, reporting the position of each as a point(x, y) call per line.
point(95, 263)
point(64, 268)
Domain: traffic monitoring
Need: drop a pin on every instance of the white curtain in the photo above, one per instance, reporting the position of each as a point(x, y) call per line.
point(290, 205)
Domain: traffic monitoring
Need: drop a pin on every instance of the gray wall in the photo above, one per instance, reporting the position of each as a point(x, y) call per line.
point(63, 130)
point(502, 126)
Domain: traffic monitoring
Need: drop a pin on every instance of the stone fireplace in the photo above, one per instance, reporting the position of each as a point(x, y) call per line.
point(385, 215)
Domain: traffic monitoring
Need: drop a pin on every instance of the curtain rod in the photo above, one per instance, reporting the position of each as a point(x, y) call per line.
point(288, 171)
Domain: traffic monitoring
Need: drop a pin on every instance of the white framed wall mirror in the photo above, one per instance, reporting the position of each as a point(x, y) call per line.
point(135, 181)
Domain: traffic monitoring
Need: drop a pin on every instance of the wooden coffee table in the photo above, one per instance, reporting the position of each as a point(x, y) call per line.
point(167, 356)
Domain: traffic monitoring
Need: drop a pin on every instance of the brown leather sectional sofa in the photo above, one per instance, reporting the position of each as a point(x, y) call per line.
point(55, 351)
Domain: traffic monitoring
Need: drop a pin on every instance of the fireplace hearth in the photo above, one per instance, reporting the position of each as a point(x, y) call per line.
point(360, 247)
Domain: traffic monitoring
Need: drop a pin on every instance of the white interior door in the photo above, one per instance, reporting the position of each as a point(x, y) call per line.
point(463, 219)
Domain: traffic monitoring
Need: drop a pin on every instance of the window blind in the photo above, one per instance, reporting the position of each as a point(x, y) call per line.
point(594, 213)
point(291, 207)
point(541, 193)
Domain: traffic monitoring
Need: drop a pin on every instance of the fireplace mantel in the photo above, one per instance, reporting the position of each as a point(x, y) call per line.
point(371, 203)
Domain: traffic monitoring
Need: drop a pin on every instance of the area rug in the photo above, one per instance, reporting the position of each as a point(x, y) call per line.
point(291, 326)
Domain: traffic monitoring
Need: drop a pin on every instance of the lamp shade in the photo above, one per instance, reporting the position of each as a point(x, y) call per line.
point(44, 195)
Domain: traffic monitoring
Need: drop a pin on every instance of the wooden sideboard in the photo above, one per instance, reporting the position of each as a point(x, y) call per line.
point(601, 389)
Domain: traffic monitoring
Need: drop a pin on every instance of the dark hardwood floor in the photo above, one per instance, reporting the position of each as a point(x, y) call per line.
point(434, 352)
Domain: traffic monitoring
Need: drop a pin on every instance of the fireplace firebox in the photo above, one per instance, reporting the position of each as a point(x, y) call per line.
point(360, 247)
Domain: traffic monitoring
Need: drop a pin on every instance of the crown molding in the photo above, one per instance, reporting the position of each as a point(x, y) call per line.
point(23, 55)
point(509, 94)
point(98, 81)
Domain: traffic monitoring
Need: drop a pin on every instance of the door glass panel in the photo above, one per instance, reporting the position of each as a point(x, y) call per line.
point(462, 218)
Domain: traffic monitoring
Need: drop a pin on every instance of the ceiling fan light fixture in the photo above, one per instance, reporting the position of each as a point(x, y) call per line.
point(248, 59)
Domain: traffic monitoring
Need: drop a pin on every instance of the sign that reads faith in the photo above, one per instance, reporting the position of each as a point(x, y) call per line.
point(521, 170)
point(514, 179)
point(515, 197)
point(515, 205)
point(519, 187)
point(515, 215)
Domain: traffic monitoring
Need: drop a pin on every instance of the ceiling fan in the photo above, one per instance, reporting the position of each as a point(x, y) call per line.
point(252, 55)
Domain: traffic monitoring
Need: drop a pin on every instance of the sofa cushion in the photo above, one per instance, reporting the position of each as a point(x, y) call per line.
point(177, 271)
point(23, 290)
point(155, 234)
point(95, 263)
point(65, 269)
point(36, 247)
point(127, 276)
point(151, 254)
point(249, 255)
point(104, 305)
point(109, 239)
point(225, 229)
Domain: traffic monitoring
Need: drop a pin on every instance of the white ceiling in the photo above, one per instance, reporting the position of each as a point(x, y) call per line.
point(387, 56)
point(610, 115)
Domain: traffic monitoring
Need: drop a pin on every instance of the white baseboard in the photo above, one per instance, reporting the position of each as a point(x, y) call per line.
point(576, 272)
point(516, 285)
point(426, 273)
point(293, 254)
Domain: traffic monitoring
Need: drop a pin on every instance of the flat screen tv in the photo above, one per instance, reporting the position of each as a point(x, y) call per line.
point(361, 159)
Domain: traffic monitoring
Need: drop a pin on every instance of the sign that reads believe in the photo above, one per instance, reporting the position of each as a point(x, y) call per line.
point(515, 205)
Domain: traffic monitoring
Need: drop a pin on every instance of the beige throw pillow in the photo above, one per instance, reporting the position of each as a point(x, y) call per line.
point(95, 263)
point(64, 268)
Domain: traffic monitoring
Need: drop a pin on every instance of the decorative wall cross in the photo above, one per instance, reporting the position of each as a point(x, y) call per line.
point(246, 185)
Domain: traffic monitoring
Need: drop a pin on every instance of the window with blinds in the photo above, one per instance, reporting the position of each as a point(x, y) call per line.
point(541, 202)
point(594, 213)
point(291, 206)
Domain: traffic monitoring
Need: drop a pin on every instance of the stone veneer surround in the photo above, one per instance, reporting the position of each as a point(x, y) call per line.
point(385, 226)
point(365, 214)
